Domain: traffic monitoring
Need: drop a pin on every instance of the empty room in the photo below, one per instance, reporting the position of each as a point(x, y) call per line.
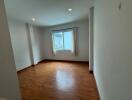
point(65, 50)
point(50, 42)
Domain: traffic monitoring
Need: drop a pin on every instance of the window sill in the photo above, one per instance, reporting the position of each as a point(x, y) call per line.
point(64, 51)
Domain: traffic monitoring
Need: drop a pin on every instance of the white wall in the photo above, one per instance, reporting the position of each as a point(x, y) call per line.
point(9, 88)
point(36, 45)
point(91, 38)
point(112, 49)
point(18, 32)
point(25, 42)
point(32, 44)
point(83, 39)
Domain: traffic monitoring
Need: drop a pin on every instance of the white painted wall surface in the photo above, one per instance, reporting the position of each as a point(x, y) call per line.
point(25, 53)
point(83, 41)
point(36, 44)
point(9, 88)
point(112, 49)
point(91, 38)
point(18, 32)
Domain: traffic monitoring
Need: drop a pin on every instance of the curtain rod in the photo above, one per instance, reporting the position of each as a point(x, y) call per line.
point(65, 29)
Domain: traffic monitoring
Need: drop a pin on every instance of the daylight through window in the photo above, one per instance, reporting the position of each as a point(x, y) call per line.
point(63, 40)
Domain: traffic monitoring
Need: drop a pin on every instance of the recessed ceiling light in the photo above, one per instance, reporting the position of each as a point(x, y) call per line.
point(69, 9)
point(33, 19)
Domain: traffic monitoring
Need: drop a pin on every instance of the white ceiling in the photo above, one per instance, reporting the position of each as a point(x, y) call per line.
point(47, 12)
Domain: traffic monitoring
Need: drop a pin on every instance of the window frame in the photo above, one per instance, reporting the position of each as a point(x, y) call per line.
point(63, 50)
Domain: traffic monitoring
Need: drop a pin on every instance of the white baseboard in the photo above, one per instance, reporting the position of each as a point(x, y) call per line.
point(21, 68)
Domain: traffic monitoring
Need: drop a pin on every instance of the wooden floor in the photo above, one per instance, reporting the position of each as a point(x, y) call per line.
point(58, 81)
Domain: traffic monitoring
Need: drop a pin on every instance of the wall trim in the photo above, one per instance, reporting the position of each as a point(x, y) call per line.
point(23, 68)
point(99, 87)
point(62, 61)
point(51, 60)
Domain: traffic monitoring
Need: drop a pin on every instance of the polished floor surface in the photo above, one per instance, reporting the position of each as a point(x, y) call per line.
point(58, 81)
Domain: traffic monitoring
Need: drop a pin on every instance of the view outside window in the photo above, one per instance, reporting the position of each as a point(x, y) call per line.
point(63, 40)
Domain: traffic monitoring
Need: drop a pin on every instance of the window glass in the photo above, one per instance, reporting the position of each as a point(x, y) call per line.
point(63, 40)
point(68, 40)
point(58, 41)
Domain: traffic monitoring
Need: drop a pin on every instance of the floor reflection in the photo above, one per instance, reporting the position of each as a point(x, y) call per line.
point(64, 80)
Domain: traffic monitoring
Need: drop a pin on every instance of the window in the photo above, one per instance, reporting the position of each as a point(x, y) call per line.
point(63, 40)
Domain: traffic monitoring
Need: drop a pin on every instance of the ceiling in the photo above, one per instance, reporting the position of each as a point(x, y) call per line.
point(47, 12)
